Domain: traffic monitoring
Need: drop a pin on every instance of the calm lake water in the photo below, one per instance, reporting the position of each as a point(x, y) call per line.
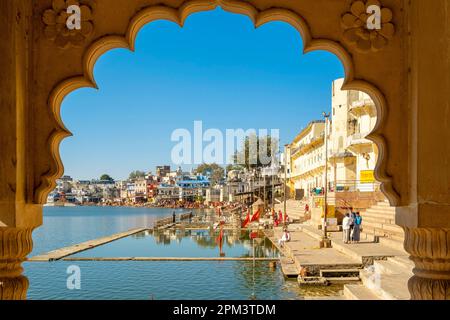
point(151, 280)
point(184, 243)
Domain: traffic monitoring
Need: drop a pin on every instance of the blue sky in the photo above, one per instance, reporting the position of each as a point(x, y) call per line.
point(218, 69)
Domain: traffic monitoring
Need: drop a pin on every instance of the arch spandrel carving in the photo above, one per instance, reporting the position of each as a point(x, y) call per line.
point(63, 70)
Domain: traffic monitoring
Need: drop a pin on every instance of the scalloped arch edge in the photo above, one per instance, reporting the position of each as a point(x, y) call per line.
point(178, 16)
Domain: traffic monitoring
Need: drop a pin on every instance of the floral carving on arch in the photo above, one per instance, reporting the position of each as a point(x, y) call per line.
point(355, 28)
point(178, 16)
point(55, 23)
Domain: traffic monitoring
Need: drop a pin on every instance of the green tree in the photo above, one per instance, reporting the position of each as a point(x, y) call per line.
point(231, 167)
point(256, 152)
point(106, 177)
point(213, 171)
point(136, 174)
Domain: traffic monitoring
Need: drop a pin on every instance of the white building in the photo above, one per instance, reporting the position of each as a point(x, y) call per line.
point(352, 156)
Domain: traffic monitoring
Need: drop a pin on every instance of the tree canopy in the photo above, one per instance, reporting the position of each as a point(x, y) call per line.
point(213, 171)
point(256, 152)
point(106, 177)
point(136, 174)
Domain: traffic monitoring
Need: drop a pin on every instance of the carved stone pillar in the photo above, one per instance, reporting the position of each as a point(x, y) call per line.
point(19, 214)
point(16, 244)
point(426, 216)
point(430, 250)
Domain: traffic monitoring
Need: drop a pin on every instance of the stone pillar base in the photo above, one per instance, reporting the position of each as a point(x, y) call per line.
point(16, 244)
point(430, 251)
point(13, 288)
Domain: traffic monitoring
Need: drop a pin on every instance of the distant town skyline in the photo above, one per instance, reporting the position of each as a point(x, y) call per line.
point(217, 69)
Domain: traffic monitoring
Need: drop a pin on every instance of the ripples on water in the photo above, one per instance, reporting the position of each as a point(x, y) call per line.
point(157, 280)
point(147, 280)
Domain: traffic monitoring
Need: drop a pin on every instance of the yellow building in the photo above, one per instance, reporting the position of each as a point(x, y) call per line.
point(308, 159)
point(351, 157)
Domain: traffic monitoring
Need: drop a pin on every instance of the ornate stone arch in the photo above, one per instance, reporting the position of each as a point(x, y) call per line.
point(405, 73)
point(178, 15)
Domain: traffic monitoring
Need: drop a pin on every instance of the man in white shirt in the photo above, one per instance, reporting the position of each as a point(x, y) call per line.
point(346, 225)
point(285, 238)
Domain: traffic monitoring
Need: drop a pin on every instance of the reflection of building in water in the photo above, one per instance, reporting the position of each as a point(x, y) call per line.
point(140, 235)
point(162, 237)
point(233, 237)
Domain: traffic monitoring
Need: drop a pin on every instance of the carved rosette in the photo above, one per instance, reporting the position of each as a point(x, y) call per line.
point(55, 20)
point(356, 31)
point(430, 251)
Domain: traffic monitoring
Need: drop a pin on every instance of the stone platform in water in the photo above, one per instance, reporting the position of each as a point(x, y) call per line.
point(58, 254)
point(170, 259)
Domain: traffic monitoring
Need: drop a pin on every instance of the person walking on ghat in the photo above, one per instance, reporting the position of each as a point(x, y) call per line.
point(352, 215)
point(346, 228)
point(356, 231)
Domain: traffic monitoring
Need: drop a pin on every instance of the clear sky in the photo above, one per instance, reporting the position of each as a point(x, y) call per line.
point(218, 69)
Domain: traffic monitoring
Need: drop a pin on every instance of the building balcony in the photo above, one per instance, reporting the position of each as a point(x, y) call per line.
point(307, 147)
point(358, 139)
point(366, 106)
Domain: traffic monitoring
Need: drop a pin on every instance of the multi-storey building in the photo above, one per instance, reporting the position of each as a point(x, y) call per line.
point(307, 159)
point(352, 156)
point(162, 171)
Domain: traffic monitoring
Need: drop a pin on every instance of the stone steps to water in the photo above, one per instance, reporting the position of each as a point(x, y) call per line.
point(385, 280)
point(340, 273)
point(392, 243)
point(404, 262)
point(289, 268)
point(387, 286)
point(371, 213)
point(387, 228)
point(358, 292)
point(379, 221)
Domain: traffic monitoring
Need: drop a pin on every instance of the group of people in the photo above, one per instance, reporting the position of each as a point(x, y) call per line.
point(279, 219)
point(351, 226)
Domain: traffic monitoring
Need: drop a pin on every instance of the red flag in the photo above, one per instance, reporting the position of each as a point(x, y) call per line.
point(246, 221)
point(219, 241)
point(220, 237)
point(255, 216)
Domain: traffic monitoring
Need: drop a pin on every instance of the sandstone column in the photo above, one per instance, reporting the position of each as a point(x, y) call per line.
point(426, 220)
point(18, 215)
point(16, 244)
point(430, 250)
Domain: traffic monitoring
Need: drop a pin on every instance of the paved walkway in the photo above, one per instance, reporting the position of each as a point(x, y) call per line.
point(306, 253)
point(365, 251)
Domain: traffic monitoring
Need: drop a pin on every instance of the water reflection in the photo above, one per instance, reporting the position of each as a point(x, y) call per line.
point(186, 243)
